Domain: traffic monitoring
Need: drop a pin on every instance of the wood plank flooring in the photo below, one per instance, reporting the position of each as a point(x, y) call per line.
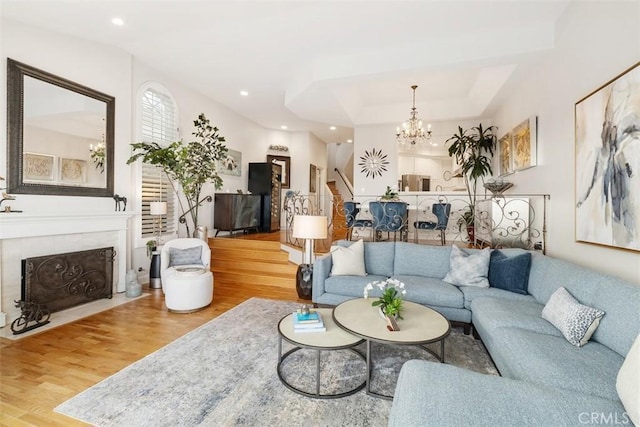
point(39, 372)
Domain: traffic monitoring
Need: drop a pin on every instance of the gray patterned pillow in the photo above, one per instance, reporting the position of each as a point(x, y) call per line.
point(577, 322)
point(185, 256)
point(468, 270)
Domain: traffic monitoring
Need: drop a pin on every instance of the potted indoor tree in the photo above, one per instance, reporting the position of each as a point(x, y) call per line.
point(473, 150)
point(189, 166)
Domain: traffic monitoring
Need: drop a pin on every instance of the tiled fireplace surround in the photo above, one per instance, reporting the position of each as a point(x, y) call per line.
point(28, 235)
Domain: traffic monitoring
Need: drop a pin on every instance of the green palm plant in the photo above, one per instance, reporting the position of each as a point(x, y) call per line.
point(473, 150)
point(190, 165)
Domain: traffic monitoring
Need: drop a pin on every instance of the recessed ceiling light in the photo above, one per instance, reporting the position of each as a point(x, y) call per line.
point(332, 128)
point(283, 127)
point(118, 22)
point(349, 141)
point(244, 93)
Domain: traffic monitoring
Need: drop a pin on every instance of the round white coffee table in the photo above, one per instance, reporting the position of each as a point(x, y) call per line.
point(334, 338)
point(420, 325)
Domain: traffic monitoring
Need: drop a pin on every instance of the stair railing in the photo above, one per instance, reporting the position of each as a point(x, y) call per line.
point(344, 180)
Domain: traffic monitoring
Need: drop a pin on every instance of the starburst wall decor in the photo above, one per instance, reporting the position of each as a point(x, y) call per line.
point(373, 163)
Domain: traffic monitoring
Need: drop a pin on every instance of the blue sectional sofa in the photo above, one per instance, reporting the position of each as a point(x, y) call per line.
point(544, 379)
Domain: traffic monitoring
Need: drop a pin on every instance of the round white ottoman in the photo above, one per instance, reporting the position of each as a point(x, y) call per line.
point(187, 288)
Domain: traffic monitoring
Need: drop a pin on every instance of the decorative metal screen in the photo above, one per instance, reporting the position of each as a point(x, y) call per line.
point(66, 280)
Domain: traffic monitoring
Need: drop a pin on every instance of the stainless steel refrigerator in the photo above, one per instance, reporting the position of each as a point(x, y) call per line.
point(415, 183)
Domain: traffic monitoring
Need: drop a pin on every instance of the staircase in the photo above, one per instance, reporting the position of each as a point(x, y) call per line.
point(339, 230)
point(252, 262)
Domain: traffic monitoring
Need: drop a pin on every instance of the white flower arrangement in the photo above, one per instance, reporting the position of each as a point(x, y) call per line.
point(391, 299)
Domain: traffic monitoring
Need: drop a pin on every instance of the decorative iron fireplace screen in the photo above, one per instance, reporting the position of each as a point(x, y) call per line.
point(66, 280)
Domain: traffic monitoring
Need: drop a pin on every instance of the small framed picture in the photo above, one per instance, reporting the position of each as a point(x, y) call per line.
point(523, 144)
point(313, 177)
point(231, 164)
point(73, 170)
point(38, 167)
point(506, 160)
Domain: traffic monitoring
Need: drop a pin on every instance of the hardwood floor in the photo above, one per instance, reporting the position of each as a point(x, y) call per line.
point(39, 372)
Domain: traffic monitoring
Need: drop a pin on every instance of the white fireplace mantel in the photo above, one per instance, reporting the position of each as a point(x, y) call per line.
point(51, 224)
point(20, 225)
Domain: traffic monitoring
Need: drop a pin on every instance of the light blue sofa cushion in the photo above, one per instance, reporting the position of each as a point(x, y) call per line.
point(421, 260)
point(433, 394)
point(351, 286)
point(429, 291)
point(453, 314)
point(621, 325)
point(378, 257)
point(552, 361)
point(619, 299)
point(488, 314)
point(472, 292)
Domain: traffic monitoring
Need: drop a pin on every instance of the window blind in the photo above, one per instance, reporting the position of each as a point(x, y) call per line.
point(156, 187)
point(158, 124)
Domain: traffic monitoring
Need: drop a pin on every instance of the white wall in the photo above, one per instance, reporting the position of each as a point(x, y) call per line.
point(340, 156)
point(595, 41)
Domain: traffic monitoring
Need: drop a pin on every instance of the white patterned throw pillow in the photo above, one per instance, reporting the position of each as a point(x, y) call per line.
point(348, 261)
point(468, 269)
point(577, 322)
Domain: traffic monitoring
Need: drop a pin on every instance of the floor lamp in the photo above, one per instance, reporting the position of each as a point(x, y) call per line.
point(308, 227)
point(156, 209)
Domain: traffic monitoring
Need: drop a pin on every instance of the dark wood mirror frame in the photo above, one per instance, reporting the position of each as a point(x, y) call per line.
point(16, 72)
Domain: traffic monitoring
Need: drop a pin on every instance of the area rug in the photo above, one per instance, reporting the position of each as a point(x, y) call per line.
point(224, 374)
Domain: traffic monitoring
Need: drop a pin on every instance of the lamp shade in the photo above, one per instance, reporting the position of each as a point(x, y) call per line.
point(310, 227)
point(158, 208)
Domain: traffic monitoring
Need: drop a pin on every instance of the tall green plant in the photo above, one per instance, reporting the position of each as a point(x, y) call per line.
point(190, 165)
point(473, 150)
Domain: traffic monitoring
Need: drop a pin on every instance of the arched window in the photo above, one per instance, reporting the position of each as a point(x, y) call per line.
point(158, 122)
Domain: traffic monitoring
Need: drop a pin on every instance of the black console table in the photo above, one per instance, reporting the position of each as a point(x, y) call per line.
point(236, 212)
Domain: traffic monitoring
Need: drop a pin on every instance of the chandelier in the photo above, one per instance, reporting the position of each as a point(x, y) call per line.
point(412, 133)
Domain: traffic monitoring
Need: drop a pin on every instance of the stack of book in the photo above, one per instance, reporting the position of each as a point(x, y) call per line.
point(311, 322)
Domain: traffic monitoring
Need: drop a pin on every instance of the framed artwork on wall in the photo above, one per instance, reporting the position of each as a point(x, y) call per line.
point(504, 148)
point(524, 144)
point(285, 162)
point(313, 171)
point(38, 167)
point(232, 164)
point(607, 163)
point(73, 170)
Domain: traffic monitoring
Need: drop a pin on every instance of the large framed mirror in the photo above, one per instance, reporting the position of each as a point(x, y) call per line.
point(60, 135)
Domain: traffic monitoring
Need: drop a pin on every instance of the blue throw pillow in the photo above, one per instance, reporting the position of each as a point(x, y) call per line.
point(510, 273)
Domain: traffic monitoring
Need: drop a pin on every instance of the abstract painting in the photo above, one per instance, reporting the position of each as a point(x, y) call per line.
point(607, 133)
point(524, 144)
point(231, 164)
point(38, 167)
point(504, 147)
